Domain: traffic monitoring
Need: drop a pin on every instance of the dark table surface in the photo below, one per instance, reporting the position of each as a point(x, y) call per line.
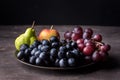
point(11, 69)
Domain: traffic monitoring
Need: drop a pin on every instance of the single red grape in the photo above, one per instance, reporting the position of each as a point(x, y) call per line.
point(89, 30)
point(67, 35)
point(103, 55)
point(80, 41)
point(105, 48)
point(108, 47)
point(90, 43)
point(78, 30)
point(97, 37)
point(75, 36)
point(88, 50)
point(96, 56)
point(81, 46)
point(86, 35)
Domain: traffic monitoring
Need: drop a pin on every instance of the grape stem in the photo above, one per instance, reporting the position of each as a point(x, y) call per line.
point(33, 24)
point(96, 42)
point(99, 43)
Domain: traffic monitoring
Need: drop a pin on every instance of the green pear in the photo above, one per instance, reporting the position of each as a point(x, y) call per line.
point(30, 32)
point(26, 38)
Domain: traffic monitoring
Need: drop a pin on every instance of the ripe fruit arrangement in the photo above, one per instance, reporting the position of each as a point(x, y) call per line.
point(79, 47)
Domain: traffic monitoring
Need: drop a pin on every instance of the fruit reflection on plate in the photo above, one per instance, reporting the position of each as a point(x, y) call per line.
point(79, 48)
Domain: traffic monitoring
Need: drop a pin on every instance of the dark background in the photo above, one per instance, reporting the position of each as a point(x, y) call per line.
point(84, 12)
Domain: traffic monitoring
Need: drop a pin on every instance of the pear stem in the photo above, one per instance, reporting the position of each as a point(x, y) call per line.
point(33, 24)
point(51, 27)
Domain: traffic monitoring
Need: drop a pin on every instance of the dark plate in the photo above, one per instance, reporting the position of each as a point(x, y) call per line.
point(53, 68)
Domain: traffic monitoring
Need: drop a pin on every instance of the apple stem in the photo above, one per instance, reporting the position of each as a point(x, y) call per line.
point(51, 27)
point(33, 24)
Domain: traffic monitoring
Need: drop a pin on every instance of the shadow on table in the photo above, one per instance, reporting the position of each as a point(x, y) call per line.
point(111, 64)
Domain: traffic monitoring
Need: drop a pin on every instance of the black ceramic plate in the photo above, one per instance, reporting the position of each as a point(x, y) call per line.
point(53, 68)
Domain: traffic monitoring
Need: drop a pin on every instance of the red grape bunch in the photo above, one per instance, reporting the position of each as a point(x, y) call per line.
point(90, 45)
